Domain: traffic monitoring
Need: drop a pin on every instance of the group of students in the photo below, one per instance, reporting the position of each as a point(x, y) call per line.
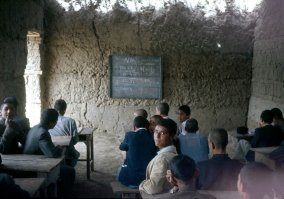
point(167, 161)
point(269, 133)
point(15, 129)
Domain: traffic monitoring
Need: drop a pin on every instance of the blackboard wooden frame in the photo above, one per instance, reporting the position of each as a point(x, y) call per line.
point(135, 77)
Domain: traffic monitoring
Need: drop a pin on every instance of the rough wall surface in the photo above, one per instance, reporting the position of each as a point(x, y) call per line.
point(268, 61)
point(214, 81)
point(17, 17)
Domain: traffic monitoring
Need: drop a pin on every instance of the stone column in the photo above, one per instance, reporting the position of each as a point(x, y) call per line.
point(32, 78)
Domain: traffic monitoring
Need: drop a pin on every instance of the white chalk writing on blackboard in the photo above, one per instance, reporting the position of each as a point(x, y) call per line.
point(135, 77)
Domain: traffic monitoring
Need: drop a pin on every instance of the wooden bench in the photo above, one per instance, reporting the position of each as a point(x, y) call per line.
point(40, 165)
point(121, 191)
point(31, 185)
point(222, 194)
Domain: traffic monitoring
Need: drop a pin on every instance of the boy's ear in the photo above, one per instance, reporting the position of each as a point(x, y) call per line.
point(213, 145)
point(196, 173)
point(174, 180)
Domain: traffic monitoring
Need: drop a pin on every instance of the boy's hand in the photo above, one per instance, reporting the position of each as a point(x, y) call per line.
point(170, 178)
point(9, 122)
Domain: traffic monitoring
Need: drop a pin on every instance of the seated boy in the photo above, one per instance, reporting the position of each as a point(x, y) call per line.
point(140, 147)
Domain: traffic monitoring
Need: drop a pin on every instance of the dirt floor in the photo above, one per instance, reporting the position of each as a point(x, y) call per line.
point(107, 159)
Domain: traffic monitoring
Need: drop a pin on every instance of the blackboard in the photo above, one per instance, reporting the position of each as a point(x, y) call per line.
point(135, 77)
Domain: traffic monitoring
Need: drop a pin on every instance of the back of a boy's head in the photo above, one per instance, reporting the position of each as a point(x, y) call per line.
point(183, 167)
point(191, 125)
point(219, 137)
point(266, 116)
point(140, 122)
point(164, 108)
point(257, 179)
point(277, 113)
point(185, 109)
point(47, 116)
point(141, 112)
point(60, 105)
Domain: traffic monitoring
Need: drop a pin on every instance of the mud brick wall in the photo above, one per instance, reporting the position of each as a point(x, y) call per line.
point(268, 62)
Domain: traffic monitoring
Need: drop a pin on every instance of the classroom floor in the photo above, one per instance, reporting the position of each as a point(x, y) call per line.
point(107, 159)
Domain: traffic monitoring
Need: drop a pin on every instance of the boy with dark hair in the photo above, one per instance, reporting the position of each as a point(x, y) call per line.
point(220, 172)
point(39, 143)
point(22, 121)
point(255, 181)
point(141, 112)
point(278, 120)
point(183, 115)
point(182, 175)
point(10, 132)
point(193, 144)
point(61, 106)
point(66, 126)
point(163, 109)
point(266, 135)
point(140, 147)
point(156, 181)
point(153, 122)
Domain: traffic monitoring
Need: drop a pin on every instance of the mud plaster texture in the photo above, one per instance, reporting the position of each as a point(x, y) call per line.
point(268, 62)
point(214, 81)
point(16, 19)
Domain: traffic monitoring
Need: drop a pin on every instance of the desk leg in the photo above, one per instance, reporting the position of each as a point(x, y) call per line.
point(88, 159)
point(92, 154)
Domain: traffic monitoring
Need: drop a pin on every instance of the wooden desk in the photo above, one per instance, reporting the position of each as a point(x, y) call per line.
point(86, 136)
point(262, 155)
point(31, 185)
point(247, 137)
point(264, 150)
point(222, 194)
point(61, 140)
point(41, 165)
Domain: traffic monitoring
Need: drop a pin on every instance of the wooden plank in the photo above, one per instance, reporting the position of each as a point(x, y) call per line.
point(22, 157)
point(31, 185)
point(86, 131)
point(24, 162)
point(117, 187)
point(222, 194)
point(43, 166)
point(263, 158)
point(264, 150)
point(61, 140)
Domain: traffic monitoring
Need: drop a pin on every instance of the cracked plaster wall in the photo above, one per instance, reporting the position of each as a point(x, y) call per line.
point(17, 17)
point(214, 81)
point(268, 62)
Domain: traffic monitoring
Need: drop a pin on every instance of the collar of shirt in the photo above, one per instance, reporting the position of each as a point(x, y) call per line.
point(221, 156)
point(140, 129)
point(170, 148)
point(183, 128)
